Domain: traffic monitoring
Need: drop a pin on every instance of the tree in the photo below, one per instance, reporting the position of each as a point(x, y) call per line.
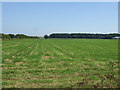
point(46, 36)
point(5, 36)
point(20, 36)
point(11, 35)
point(83, 35)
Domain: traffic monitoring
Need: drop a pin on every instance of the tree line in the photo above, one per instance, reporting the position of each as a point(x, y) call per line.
point(63, 35)
point(83, 35)
point(17, 36)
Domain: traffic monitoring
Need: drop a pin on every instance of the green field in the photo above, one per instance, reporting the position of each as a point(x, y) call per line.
point(54, 63)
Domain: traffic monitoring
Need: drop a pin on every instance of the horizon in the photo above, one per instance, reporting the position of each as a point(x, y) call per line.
point(64, 33)
point(38, 18)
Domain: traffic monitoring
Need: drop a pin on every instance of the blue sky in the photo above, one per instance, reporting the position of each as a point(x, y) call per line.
point(0, 17)
point(39, 18)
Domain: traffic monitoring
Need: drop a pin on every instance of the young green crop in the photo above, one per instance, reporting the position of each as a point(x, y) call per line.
point(67, 63)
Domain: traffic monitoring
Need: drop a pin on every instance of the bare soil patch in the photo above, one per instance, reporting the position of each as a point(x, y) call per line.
point(8, 60)
point(47, 57)
point(20, 63)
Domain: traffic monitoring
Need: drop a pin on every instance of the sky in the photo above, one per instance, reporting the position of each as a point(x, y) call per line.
point(0, 17)
point(40, 18)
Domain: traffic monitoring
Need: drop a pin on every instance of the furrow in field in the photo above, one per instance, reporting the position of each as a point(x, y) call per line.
point(33, 49)
point(15, 50)
point(26, 58)
point(25, 50)
point(19, 53)
point(61, 52)
point(51, 63)
point(19, 60)
point(59, 61)
point(71, 58)
point(48, 53)
point(55, 50)
point(69, 51)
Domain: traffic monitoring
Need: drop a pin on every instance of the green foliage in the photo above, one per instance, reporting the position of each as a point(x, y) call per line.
point(84, 35)
point(18, 36)
point(46, 36)
point(5, 36)
point(11, 35)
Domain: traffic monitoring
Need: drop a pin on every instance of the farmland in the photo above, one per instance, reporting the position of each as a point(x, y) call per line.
point(55, 63)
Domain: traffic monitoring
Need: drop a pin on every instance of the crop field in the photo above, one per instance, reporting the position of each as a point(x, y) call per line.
point(60, 63)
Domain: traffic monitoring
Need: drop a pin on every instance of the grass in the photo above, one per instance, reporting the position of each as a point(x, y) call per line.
point(55, 63)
